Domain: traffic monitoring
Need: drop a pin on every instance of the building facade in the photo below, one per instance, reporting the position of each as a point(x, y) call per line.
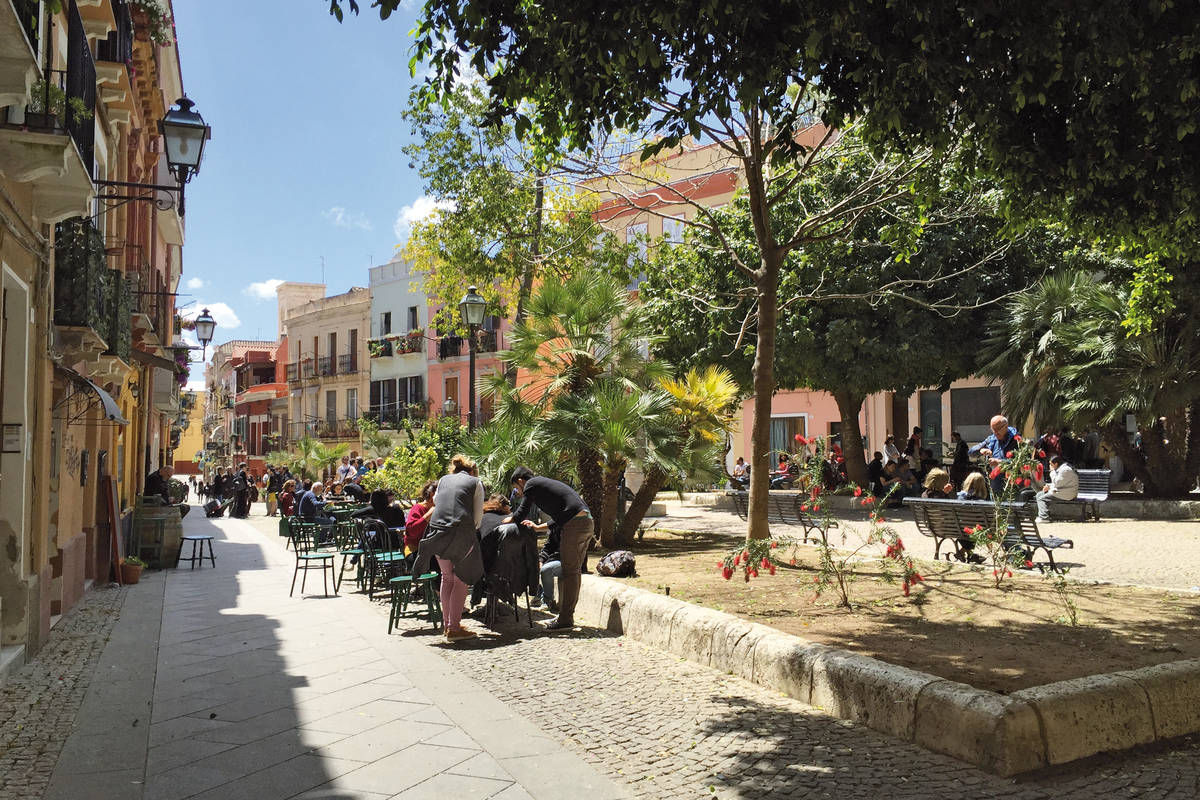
point(397, 348)
point(327, 373)
point(89, 361)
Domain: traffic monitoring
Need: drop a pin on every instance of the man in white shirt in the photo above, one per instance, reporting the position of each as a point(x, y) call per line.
point(345, 471)
point(1063, 485)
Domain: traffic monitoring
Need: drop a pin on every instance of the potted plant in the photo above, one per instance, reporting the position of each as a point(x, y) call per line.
point(48, 106)
point(131, 569)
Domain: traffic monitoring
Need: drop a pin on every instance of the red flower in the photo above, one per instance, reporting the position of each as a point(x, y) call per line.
point(995, 473)
point(840, 460)
point(774, 545)
point(916, 576)
point(772, 569)
point(746, 555)
point(879, 518)
point(858, 491)
point(816, 490)
point(728, 573)
point(967, 530)
point(1009, 454)
point(804, 506)
point(766, 562)
point(1025, 468)
point(904, 587)
point(1041, 453)
point(816, 508)
point(900, 543)
point(792, 562)
point(1017, 438)
point(1039, 473)
point(978, 528)
point(1009, 571)
point(737, 559)
point(801, 440)
point(753, 573)
point(868, 500)
point(1028, 564)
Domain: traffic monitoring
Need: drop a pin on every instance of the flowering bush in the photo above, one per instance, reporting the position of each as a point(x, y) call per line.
point(1019, 471)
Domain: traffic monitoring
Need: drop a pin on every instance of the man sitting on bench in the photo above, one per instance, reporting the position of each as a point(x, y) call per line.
point(1063, 485)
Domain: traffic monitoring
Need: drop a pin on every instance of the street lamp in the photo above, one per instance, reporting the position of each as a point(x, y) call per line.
point(184, 134)
point(205, 325)
point(471, 308)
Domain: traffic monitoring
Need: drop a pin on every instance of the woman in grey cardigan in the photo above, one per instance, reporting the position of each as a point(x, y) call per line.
point(451, 538)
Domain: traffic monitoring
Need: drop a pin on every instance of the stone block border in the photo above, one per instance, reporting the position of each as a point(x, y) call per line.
point(1003, 734)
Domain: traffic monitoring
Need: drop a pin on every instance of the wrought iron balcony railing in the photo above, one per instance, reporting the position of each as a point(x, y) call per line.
point(293, 372)
point(30, 13)
point(119, 301)
point(118, 46)
point(80, 277)
point(487, 341)
point(347, 364)
point(449, 346)
point(326, 366)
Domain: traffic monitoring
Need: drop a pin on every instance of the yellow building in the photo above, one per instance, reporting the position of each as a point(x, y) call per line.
point(190, 450)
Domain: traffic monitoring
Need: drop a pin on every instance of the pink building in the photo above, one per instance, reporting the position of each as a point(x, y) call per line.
point(448, 365)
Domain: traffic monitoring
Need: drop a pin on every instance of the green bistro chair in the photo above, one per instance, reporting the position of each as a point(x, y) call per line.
point(285, 529)
point(402, 587)
point(378, 559)
point(305, 536)
point(347, 535)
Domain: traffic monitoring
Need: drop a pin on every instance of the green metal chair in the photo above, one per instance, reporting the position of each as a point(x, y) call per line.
point(402, 588)
point(379, 560)
point(305, 536)
point(348, 537)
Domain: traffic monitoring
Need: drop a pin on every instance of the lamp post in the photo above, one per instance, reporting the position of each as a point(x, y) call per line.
point(471, 308)
point(205, 325)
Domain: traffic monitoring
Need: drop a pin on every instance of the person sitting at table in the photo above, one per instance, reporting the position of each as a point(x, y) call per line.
point(287, 499)
point(937, 484)
point(390, 515)
point(495, 509)
point(312, 507)
point(335, 493)
point(355, 492)
point(417, 520)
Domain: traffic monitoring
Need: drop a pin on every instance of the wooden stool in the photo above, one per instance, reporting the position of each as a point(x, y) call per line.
point(195, 539)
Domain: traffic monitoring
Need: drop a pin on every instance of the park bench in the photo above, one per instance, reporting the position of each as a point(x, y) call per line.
point(1094, 487)
point(784, 509)
point(944, 520)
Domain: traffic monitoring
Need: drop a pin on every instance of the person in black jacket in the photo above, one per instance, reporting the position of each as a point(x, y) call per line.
point(158, 484)
point(572, 519)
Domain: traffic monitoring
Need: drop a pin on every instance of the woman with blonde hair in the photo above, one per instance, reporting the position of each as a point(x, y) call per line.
point(937, 484)
point(451, 539)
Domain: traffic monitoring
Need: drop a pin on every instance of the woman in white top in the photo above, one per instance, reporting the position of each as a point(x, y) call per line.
point(890, 451)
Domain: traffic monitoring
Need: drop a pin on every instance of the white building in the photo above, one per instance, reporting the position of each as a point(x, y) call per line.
point(397, 347)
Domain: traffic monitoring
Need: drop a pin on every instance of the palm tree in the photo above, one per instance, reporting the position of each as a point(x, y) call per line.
point(689, 441)
point(575, 333)
point(1063, 354)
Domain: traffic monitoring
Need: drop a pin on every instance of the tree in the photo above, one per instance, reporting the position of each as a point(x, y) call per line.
point(1063, 356)
point(1081, 111)
point(897, 302)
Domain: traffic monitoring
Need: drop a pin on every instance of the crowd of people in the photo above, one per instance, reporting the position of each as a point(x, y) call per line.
point(237, 487)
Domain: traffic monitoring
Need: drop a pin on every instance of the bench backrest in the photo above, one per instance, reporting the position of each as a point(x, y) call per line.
point(940, 518)
point(1095, 483)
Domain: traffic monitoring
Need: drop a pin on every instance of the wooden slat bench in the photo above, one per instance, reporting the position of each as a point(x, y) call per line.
point(944, 520)
point(1094, 486)
point(784, 509)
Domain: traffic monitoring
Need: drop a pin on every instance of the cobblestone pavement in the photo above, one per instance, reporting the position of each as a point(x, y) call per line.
point(673, 729)
point(38, 705)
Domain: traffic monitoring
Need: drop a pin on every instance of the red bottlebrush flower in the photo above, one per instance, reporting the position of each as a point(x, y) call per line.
point(995, 473)
point(967, 530)
point(837, 448)
point(994, 573)
point(816, 508)
point(728, 573)
point(880, 518)
point(904, 587)
point(1028, 564)
point(840, 460)
point(1041, 453)
point(721, 564)
point(858, 491)
point(916, 576)
point(1026, 482)
point(753, 573)
point(1008, 572)
point(900, 543)
point(978, 528)
point(801, 440)
point(774, 545)
point(766, 562)
point(746, 556)
point(737, 560)
point(1017, 438)
point(792, 562)
point(816, 491)
point(866, 501)
point(1026, 469)
point(1040, 472)
point(1009, 454)
point(816, 579)
point(869, 500)
point(772, 569)
point(804, 506)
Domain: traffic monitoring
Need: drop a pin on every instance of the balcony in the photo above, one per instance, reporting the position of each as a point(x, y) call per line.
point(81, 296)
point(347, 363)
point(114, 362)
point(390, 416)
point(487, 341)
point(449, 346)
point(293, 372)
point(413, 342)
point(166, 392)
point(326, 366)
point(323, 429)
point(379, 348)
point(308, 369)
point(28, 18)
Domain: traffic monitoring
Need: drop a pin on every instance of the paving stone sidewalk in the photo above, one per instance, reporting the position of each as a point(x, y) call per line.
point(227, 688)
point(38, 705)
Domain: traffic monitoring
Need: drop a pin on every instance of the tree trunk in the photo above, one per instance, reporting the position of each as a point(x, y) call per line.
point(591, 479)
point(652, 483)
point(764, 388)
point(607, 524)
point(849, 404)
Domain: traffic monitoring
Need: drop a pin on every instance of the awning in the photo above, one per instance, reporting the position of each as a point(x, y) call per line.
point(152, 360)
point(112, 412)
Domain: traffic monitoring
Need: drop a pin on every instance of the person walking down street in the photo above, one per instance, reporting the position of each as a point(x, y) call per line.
point(241, 493)
point(274, 487)
point(1063, 485)
point(451, 539)
point(572, 520)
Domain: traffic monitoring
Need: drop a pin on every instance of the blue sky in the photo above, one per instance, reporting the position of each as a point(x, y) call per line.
point(305, 161)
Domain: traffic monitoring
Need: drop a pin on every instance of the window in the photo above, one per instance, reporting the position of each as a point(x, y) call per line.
point(385, 323)
point(673, 229)
point(784, 431)
point(452, 389)
point(353, 349)
point(414, 320)
point(352, 404)
point(331, 407)
point(413, 391)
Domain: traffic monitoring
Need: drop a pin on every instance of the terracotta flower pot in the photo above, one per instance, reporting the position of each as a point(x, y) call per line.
point(130, 573)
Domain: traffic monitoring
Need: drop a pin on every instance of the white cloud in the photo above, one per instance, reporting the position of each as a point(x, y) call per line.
point(420, 209)
point(195, 386)
point(263, 290)
point(195, 283)
point(225, 317)
point(341, 218)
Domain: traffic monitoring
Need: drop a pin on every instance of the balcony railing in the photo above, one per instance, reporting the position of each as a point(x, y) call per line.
point(81, 86)
point(326, 366)
point(308, 369)
point(119, 301)
point(487, 341)
point(29, 12)
point(379, 348)
point(450, 346)
point(118, 46)
point(347, 364)
point(323, 429)
point(80, 277)
point(391, 416)
point(293, 372)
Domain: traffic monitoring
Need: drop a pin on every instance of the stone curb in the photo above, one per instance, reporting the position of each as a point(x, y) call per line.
point(1005, 735)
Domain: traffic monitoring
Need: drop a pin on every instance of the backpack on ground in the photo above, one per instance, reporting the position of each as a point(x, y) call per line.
point(617, 564)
